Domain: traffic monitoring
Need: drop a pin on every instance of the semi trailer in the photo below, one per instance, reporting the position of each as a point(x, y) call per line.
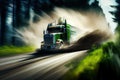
point(56, 35)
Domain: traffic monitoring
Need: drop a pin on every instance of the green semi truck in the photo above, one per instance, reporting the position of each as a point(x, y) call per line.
point(56, 35)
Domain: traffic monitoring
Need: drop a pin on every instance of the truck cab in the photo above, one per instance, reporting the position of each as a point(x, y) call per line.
point(56, 35)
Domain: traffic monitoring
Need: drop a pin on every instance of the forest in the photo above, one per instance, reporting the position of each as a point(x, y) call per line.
point(15, 14)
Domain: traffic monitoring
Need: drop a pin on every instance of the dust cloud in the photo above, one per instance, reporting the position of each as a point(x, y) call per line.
point(83, 22)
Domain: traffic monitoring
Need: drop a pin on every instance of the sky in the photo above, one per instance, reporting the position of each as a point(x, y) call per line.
point(105, 5)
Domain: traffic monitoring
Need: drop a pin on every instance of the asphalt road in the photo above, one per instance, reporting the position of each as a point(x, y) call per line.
point(32, 67)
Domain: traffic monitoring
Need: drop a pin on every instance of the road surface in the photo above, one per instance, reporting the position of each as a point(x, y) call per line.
point(32, 67)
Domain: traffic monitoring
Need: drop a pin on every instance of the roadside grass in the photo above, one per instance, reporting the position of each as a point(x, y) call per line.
point(87, 67)
point(90, 62)
point(101, 63)
point(9, 50)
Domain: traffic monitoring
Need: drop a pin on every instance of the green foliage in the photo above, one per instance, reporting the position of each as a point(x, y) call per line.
point(117, 34)
point(13, 50)
point(98, 61)
point(90, 62)
point(87, 67)
point(102, 63)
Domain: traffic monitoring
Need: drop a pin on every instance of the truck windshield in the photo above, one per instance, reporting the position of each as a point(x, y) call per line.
point(57, 29)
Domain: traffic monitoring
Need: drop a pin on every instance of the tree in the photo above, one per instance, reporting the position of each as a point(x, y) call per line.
point(117, 13)
point(22, 12)
point(3, 21)
point(0, 21)
point(6, 19)
point(117, 19)
point(21, 16)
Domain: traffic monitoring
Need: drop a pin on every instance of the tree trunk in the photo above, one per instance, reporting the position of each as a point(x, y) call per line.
point(6, 22)
point(3, 22)
point(0, 22)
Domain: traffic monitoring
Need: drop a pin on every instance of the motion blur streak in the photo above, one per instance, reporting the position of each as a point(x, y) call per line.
point(84, 21)
point(44, 69)
point(10, 60)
